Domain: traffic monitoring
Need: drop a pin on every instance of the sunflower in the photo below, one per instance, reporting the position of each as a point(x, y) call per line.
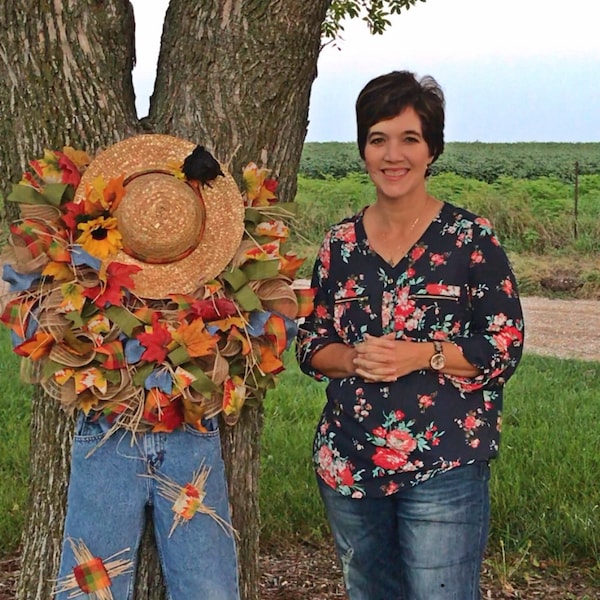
point(100, 236)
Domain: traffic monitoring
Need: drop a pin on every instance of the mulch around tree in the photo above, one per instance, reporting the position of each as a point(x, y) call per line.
point(306, 572)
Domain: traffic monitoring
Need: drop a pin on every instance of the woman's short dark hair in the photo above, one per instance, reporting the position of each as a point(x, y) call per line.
point(388, 95)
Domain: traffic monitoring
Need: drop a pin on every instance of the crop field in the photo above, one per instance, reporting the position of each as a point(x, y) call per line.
point(474, 160)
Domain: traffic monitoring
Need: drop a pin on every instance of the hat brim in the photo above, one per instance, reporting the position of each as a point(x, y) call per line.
point(224, 205)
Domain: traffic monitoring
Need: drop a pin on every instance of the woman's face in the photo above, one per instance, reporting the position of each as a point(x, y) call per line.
point(397, 156)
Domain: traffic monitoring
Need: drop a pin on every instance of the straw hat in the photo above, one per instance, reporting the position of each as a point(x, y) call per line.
point(180, 232)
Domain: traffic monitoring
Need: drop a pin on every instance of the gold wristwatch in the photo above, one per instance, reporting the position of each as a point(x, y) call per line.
point(438, 361)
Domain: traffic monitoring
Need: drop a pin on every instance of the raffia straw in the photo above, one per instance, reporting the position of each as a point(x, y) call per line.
point(171, 490)
point(114, 567)
point(278, 214)
point(130, 419)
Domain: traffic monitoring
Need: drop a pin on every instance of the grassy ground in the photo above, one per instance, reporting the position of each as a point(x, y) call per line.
point(534, 219)
point(544, 486)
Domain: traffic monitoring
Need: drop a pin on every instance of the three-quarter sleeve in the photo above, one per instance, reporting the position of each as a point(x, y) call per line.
point(493, 341)
point(318, 330)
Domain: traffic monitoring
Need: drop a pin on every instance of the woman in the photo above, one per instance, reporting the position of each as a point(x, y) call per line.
point(417, 326)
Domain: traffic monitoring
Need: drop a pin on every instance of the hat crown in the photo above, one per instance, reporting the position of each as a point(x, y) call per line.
point(160, 217)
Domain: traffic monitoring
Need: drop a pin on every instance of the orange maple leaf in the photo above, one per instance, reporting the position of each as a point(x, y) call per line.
point(114, 192)
point(35, 347)
point(196, 339)
point(269, 363)
point(228, 323)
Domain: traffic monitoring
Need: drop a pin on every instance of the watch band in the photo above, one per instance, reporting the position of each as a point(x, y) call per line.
point(438, 361)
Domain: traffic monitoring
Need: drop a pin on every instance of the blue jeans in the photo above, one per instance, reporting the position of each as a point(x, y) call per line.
point(422, 543)
point(106, 507)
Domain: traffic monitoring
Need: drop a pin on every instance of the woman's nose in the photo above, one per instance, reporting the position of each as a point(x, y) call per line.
point(394, 151)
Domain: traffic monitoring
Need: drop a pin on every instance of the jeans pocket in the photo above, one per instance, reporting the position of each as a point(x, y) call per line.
point(211, 428)
point(89, 428)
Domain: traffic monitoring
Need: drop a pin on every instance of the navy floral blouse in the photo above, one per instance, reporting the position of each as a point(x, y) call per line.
point(455, 284)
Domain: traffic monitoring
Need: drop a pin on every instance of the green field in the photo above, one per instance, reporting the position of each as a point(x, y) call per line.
point(474, 160)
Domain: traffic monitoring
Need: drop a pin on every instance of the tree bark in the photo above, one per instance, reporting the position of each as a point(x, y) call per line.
point(234, 75)
point(65, 79)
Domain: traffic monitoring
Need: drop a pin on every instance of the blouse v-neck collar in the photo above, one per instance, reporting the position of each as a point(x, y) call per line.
point(363, 241)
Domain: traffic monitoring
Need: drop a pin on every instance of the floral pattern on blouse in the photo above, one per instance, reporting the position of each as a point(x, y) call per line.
point(455, 284)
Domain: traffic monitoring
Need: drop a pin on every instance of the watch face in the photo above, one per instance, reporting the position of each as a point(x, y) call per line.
point(437, 362)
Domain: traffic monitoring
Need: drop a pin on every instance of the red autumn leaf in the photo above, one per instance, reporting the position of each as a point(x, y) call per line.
point(155, 341)
point(167, 412)
point(70, 172)
point(211, 310)
point(118, 278)
point(120, 274)
point(271, 184)
point(72, 210)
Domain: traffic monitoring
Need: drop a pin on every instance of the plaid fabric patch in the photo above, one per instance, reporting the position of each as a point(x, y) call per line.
point(36, 235)
point(16, 316)
point(115, 355)
point(276, 329)
point(91, 576)
point(305, 299)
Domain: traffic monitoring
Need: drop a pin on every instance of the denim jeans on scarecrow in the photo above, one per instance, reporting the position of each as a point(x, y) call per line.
point(441, 527)
point(109, 491)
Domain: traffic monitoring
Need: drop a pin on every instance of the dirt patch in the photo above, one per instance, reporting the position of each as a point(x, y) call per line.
point(562, 328)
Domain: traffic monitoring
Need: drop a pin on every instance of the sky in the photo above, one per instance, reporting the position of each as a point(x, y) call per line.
point(511, 70)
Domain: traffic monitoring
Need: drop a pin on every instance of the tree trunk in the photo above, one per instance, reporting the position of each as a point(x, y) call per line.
point(65, 79)
point(234, 75)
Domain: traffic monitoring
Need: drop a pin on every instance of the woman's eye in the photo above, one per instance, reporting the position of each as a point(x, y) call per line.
point(376, 141)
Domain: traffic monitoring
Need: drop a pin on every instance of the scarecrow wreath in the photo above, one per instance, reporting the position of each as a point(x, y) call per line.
point(145, 287)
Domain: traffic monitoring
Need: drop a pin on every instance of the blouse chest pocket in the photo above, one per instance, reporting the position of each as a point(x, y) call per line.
point(352, 316)
point(443, 312)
